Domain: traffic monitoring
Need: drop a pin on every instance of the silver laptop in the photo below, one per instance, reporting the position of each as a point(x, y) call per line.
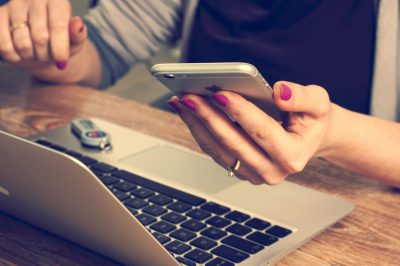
point(147, 201)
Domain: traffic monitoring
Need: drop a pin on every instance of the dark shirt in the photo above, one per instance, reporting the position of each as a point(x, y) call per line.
point(325, 42)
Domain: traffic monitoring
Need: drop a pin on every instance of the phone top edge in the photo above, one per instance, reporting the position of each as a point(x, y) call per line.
point(204, 68)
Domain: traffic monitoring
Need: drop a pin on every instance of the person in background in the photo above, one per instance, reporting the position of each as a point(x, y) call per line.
point(331, 43)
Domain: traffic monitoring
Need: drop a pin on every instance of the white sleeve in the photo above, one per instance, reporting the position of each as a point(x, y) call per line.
point(133, 30)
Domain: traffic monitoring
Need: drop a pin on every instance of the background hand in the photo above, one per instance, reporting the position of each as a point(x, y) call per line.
point(268, 151)
point(39, 33)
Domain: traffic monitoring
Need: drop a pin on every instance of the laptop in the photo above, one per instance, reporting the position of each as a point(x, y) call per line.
point(147, 201)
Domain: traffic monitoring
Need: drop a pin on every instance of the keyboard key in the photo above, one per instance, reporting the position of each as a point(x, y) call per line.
point(154, 210)
point(213, 233)
point(198, 256)
point(257, 224)
point(120, 195)
point(103, 167)
point(193, 225)
point(278, 231)
point(215, 208)
point(132, 210)
point(242, 244)
point(198, 214)
point(108, 179)
point(98, 173)
point(142, 193)
point(161, 238)
point(238, 229)
point(183, 235)
point(203, 243)
point(160, 199)
point(219, 262)
point(74, 154)
point(146, 219)
point(179, 206)
point(124, 186)
point(86, 160)
point(230, 253)
point(177, 247)
point(136, 203)
point(173, 217)
point(163, 227)
point(44, 143)
point(218, 222)
point(262, 239)
point(171, 192)
point(184, 261)
point(237, 216)
point(58, 148)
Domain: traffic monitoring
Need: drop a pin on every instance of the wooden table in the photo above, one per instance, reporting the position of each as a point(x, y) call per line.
point(370, 235)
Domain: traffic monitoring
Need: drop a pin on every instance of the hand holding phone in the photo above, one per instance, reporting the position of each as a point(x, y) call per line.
point(205, 79)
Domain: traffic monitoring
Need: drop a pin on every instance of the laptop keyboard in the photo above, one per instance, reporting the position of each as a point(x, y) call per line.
point(194, 230)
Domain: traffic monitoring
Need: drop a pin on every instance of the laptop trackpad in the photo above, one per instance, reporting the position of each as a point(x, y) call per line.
point(182, 167)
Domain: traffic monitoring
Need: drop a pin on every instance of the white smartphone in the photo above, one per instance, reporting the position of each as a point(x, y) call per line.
point(207, 78)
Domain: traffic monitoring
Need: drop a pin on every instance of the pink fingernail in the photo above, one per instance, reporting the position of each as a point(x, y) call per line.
point(221, 99)
point(61, 65)
point(174, 107)
point(82, 28)
point(189, 104)
point(286, 92)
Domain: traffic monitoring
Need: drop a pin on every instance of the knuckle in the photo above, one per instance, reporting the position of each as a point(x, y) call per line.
point(206, 116)
point(265, 174)
point(41, 38)
point(58, 25)
point(236, 113)
point(237, 106)
point(322, 99)
point(23, 46)
point(259, 133)
point(272, 178)
point(293, 166)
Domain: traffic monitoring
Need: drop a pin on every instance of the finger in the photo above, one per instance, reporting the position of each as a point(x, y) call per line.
point(78, 34)
point(38, 22)
point(59, 17)
point(210, 146)
point(7, 50)
point(21, 35)
point(283, 147)
point(311, 100)
point(233, 139)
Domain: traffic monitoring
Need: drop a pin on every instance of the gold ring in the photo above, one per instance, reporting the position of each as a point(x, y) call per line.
point(19, 25)
point(232, 170)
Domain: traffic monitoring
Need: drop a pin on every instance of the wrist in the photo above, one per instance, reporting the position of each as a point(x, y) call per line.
point(330, 145)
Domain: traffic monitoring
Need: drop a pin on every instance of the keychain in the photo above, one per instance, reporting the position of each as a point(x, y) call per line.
point(90, 135)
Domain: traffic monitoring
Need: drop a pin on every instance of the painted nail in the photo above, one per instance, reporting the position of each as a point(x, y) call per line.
point(174, 107)
point(82, 28)
point(189, 104)
point(286, 92)
point(61, 65)
point(221, 99)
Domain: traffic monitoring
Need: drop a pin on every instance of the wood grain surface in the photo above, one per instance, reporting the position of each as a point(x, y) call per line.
point(370, 235)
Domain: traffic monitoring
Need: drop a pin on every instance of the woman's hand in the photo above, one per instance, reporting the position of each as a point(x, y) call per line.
point(267, 150)
point(39, 33)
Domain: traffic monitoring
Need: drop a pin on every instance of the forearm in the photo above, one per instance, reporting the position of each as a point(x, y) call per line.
point(82, 68)
point(365, 145)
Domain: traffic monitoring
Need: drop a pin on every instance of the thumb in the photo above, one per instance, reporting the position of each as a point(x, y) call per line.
point(292, 97)
point(77, 32)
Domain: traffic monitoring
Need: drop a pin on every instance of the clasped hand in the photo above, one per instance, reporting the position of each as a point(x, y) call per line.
point(38, 32)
